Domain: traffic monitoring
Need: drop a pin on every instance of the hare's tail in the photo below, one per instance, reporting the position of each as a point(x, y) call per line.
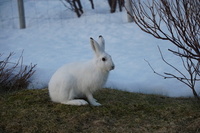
point(77, 102)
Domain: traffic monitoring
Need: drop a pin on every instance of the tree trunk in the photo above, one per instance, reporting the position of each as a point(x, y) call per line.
point(129, 10)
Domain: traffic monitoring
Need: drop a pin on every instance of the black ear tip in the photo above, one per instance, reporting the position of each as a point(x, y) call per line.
point(91, 38)
point(100, 36)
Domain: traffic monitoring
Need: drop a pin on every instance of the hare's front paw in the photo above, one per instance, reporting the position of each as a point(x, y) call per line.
point(94, 103)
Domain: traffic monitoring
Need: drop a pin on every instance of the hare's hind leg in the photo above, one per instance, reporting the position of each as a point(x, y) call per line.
point(77, 102)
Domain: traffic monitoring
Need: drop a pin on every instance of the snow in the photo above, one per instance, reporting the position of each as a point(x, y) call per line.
point(55, 36)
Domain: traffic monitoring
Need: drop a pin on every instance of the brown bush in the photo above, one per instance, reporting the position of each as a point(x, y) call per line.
point(14, 76)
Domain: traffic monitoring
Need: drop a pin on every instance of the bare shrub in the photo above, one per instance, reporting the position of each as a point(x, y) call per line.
point(76, 6)
point(14, 76)
point(177, 21)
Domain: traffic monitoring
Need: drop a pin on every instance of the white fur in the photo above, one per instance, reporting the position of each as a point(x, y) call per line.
point(79, 80)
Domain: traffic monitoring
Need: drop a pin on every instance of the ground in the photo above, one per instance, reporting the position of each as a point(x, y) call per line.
point(32, 111)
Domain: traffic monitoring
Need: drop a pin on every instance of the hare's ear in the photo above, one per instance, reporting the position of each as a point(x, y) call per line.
point(95, 46)
point(102, 43)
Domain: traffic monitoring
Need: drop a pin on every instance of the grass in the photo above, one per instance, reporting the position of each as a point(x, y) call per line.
point(32, 111)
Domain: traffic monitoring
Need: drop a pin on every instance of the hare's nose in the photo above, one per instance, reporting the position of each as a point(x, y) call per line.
point(113, 67)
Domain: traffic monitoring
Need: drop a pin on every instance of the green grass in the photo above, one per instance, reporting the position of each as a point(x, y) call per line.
point(32, 111)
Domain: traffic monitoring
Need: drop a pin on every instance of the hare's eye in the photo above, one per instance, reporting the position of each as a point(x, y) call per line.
point(103, 59)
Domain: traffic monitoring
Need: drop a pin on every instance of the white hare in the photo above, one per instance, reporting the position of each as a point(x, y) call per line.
point(74, 81)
